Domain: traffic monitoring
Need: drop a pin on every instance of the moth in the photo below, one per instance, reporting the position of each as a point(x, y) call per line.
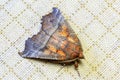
point(56, 41)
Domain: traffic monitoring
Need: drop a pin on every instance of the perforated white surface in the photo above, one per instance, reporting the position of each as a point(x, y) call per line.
point(96, 22)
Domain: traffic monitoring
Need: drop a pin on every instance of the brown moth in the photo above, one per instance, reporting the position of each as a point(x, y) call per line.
point(56, 41)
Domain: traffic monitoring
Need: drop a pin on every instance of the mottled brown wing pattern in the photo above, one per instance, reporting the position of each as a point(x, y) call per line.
point(64, 42)
point(55, 41)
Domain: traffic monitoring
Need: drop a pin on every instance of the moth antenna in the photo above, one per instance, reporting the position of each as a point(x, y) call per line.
point(61, 68)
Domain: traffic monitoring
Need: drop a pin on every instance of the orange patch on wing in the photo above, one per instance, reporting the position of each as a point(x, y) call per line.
point(64, 31)
point(52, 48)
point(71, 40)
point(61, 53)
point(74, 36)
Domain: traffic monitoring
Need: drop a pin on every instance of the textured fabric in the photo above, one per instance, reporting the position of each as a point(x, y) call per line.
point(96, 23)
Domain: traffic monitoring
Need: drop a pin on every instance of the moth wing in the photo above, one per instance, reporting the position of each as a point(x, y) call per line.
point(55, 41)
point(32, 51)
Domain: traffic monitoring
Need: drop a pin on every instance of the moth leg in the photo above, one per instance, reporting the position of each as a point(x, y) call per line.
point(76, 67)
